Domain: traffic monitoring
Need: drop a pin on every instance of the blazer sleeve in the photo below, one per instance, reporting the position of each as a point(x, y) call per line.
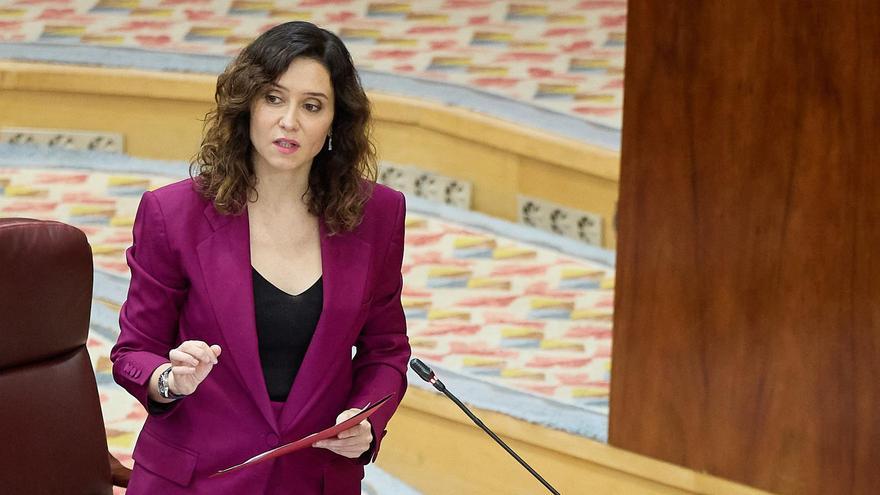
point(383, 349)
point(148, 320)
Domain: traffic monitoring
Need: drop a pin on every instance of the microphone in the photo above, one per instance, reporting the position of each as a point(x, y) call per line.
point(427, 374)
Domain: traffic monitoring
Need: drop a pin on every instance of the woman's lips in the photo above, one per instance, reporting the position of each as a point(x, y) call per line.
point(290, 148)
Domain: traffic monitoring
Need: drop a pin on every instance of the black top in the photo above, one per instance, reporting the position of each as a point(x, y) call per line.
point(285, 325)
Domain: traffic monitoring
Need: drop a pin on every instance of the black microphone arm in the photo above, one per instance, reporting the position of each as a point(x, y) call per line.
point(427, 374)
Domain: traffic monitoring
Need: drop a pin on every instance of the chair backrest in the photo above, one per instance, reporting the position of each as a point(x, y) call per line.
point(52, 437)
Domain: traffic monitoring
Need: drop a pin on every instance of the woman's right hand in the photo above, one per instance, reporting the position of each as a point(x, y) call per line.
point(191, 362)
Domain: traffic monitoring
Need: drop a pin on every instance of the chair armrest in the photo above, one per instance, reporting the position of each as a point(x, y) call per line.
point(119, 473)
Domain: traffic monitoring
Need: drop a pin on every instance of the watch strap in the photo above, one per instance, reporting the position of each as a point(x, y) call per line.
point(164, 388)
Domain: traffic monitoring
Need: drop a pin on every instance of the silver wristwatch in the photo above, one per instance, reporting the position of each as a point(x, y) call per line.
point(164, 391)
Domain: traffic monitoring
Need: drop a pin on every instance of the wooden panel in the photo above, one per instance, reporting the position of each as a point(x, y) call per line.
point(162, 128)
point(567, 187)
point(748, 293)
point(435, 448)
point(491, 170)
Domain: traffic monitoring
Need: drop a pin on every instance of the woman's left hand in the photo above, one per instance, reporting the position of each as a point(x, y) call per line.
point(352, 442)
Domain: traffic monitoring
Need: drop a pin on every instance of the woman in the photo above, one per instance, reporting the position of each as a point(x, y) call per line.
point(251, 283)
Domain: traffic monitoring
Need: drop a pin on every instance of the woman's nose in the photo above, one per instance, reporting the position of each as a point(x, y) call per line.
point(288, 121)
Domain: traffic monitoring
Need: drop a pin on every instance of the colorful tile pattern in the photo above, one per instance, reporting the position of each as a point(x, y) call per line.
point(563, 55)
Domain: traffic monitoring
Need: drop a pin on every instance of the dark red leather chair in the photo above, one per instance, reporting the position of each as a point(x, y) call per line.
point(52, 437)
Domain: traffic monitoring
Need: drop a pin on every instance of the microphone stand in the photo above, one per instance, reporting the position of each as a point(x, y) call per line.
point(428, 375)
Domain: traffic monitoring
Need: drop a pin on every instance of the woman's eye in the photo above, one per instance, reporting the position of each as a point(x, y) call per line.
point(311, 107)
point(273, 99)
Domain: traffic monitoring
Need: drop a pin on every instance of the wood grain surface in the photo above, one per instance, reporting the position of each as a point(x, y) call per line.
point(746, 340)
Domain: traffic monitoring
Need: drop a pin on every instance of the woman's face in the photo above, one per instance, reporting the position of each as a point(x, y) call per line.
point(290, 121)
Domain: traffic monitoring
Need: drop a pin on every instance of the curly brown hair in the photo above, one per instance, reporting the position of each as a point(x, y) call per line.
point(340, 181)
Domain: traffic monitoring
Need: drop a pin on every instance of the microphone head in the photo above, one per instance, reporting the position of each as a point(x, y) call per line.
point(421, 369)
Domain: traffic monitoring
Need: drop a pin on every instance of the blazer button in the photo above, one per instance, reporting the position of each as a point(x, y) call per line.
point(271, 439)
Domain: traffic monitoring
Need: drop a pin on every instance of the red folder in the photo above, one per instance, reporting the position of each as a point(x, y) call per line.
point(308, 440)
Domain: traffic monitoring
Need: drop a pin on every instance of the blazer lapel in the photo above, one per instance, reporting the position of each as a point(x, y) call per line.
point(344, 262)
point(225, 260)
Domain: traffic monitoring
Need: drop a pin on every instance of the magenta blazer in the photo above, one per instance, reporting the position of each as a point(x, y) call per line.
point(191, 280)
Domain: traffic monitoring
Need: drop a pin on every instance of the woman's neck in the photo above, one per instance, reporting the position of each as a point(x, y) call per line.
point(281, 192)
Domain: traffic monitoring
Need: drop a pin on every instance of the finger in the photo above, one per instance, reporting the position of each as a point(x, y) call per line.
point(192, 348)
point(336, 444)
point(179, 357)
point(349, 433)
point(361, 428)
point(343, 443)
point(345, 415)
point(206, 354)
point(216, 349)
point(349, 450)
point(199, 350)
point(183, 370)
